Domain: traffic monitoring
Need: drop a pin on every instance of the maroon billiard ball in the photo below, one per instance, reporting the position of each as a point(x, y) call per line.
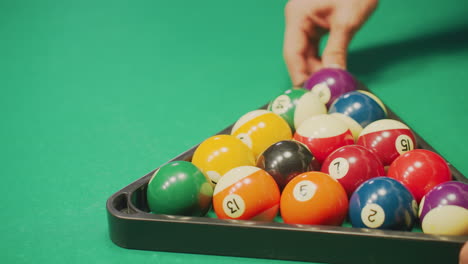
point(387, 138)
point(420, 170)
point(352, 165)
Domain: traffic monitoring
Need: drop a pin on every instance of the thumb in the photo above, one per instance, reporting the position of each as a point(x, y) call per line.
point(336, 50)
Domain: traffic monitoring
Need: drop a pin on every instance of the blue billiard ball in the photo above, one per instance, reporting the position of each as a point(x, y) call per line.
point(364, 107)
point(383, 203)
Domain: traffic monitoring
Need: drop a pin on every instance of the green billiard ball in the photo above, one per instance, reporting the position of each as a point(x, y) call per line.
point(295, 105)
point(179, 188)
point(285, 104)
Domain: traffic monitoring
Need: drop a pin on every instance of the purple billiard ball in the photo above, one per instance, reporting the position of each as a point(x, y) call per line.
point(444, 209)
point(330, 83)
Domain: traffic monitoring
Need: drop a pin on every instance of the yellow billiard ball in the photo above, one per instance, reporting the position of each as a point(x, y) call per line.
point(218, 154)
point(259, 129)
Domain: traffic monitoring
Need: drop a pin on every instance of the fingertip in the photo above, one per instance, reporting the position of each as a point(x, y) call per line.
point(463, 257)
point(300, 80)
point(335, 66)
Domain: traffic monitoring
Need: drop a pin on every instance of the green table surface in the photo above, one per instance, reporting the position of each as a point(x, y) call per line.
point(95, 94)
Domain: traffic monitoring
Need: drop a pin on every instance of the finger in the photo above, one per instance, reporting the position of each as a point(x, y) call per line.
point(314, 63)
point(335, 52)
point(296, 41)
point(295, 50)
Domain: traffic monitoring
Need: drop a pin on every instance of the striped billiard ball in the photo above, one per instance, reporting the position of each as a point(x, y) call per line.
point(246, 193)
point(259, 129)
point(323, 134)
point(330, 83)
point(388, 138)
point(362, 106)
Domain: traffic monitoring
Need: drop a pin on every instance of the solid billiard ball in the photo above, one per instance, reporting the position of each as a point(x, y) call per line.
point(420, 170)
point(259, 129)
point(285, 160)
point(246, 193)
point(218, 154)
point(295, 105)
point(362, 106)
point(388, 138)
point(179, 188)
point(352, 165)
point(444, 209)
point(323, 134)
point(382, 203)
point(314, 198)
point(330, 83)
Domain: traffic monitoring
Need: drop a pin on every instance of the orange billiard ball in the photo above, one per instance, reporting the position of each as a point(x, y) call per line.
point(314, 198)
point(246, 193)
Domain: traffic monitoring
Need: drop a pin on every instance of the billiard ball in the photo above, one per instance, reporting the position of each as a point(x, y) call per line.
point(444, 209)
point(420, 170)
point(285, 104)
point(179, 188)
point(352, 165)
point(382, 203)
point(295, 105)
point(309, 105)
point(323, 134)
point(259, 129)
point(362, 106)
point(218, 154)
point(330, 83)
point(354, 126)
point(314, 198)
point(246, 193)
point(285, 160)
point(388, 138)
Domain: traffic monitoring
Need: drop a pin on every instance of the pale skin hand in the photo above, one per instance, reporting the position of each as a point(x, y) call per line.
point(308, 20)
point(464, 254)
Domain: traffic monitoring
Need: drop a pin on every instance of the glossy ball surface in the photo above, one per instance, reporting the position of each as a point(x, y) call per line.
point(314, 198)
point(420, 170)
point(179, 188)
point(354, 126)
point(309, 105)
point(218, 154)
point(259, 129)
point(330, 83)
point(362, 106)
point(285, 160)
point(387, 138)
point(352, 165)
point(323, 134)
point(295, 105)
point(246, 193)
point(382, 203)
point(444, 209)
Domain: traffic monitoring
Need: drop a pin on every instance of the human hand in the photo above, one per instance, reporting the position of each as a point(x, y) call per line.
point(463, 259)
point(308, 20)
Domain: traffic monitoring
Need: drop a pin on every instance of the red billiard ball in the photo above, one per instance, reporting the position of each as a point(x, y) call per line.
point(314, 198)
point(352, 165)
point(323, 134)
point(420, 170)
point(388, 138)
